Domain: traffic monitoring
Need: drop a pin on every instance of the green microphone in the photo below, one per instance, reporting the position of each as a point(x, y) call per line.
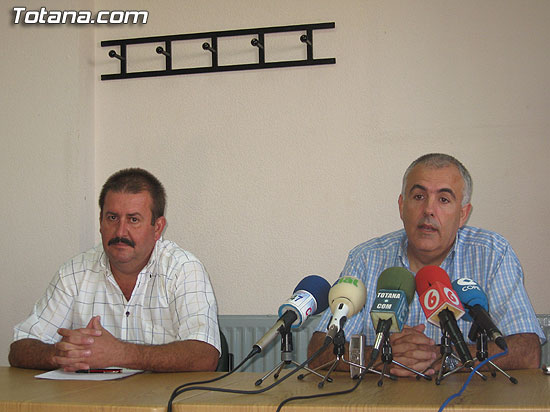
point(394, 292)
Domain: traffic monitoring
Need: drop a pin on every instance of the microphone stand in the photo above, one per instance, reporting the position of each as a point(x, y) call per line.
point(339, 342)
point(446, 351)
point(483, 351)
point(387, 360)
point(286, 356)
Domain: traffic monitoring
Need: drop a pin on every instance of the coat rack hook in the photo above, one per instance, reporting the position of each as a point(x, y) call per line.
point(206, 46)
point(160, 50)
point(256, 43)
point(114, 54)
point(305, 39)
point(210, 42)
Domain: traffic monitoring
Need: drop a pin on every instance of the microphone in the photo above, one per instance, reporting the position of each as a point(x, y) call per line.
point(309, 298)
point(394, 293)
point(477, 307)
point(442, 307)
point(346, 298)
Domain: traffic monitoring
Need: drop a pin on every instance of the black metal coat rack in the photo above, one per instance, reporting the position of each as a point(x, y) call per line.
point(212, 46)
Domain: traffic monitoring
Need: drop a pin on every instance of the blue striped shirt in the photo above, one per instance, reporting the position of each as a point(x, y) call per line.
point(478, 254)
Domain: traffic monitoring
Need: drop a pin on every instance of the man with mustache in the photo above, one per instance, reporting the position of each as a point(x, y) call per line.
point(135, 300)
point(434, 206)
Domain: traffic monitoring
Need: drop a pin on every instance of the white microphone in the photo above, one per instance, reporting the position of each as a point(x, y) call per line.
point(346, 298)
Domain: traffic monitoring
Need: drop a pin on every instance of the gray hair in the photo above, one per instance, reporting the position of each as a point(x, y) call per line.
point(437, 161)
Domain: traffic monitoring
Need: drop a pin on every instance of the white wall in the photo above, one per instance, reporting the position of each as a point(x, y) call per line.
point(273, 174)
point(47, 156)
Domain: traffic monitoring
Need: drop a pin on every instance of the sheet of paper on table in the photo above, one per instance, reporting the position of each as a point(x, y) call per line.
point(60, 374)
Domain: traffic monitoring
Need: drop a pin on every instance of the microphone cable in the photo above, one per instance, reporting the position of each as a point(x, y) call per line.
point(461, 391)
point(253, 352)
point(186, 387)
point(312, 294)
point(322, 395)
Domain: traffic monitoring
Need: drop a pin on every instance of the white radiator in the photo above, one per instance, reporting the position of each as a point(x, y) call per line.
point(544, 321)
point(242, 332)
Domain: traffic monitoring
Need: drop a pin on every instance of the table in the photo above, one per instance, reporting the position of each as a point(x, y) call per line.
point(20, 391)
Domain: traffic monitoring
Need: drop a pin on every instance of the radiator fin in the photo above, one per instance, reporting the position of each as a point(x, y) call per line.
point(242, 332)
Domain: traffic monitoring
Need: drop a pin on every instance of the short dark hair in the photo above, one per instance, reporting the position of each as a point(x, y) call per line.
point(136, 180)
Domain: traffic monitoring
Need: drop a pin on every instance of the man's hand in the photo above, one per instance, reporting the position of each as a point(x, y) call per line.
point(413, 349)
point(76, 349)
point(95, 347)
point(106, 350)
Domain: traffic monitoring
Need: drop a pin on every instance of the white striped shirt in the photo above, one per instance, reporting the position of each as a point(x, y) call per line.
point(478, 254)
point(172, 300)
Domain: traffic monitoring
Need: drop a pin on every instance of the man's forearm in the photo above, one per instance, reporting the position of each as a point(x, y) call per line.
point(189, 355)
point(523, 352)
point(96, 347)
point(32, 354)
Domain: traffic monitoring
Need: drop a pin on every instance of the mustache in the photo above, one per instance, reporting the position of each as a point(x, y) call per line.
point(430, 222)
point(117, 239)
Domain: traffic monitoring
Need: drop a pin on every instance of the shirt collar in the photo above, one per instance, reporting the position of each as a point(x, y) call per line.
point(402, 252)
point(104, 260)
point(154, 256)
point(446, 264)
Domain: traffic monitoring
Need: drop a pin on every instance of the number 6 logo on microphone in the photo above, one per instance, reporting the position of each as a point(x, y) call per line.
point(431, 299)
point(452, 296)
